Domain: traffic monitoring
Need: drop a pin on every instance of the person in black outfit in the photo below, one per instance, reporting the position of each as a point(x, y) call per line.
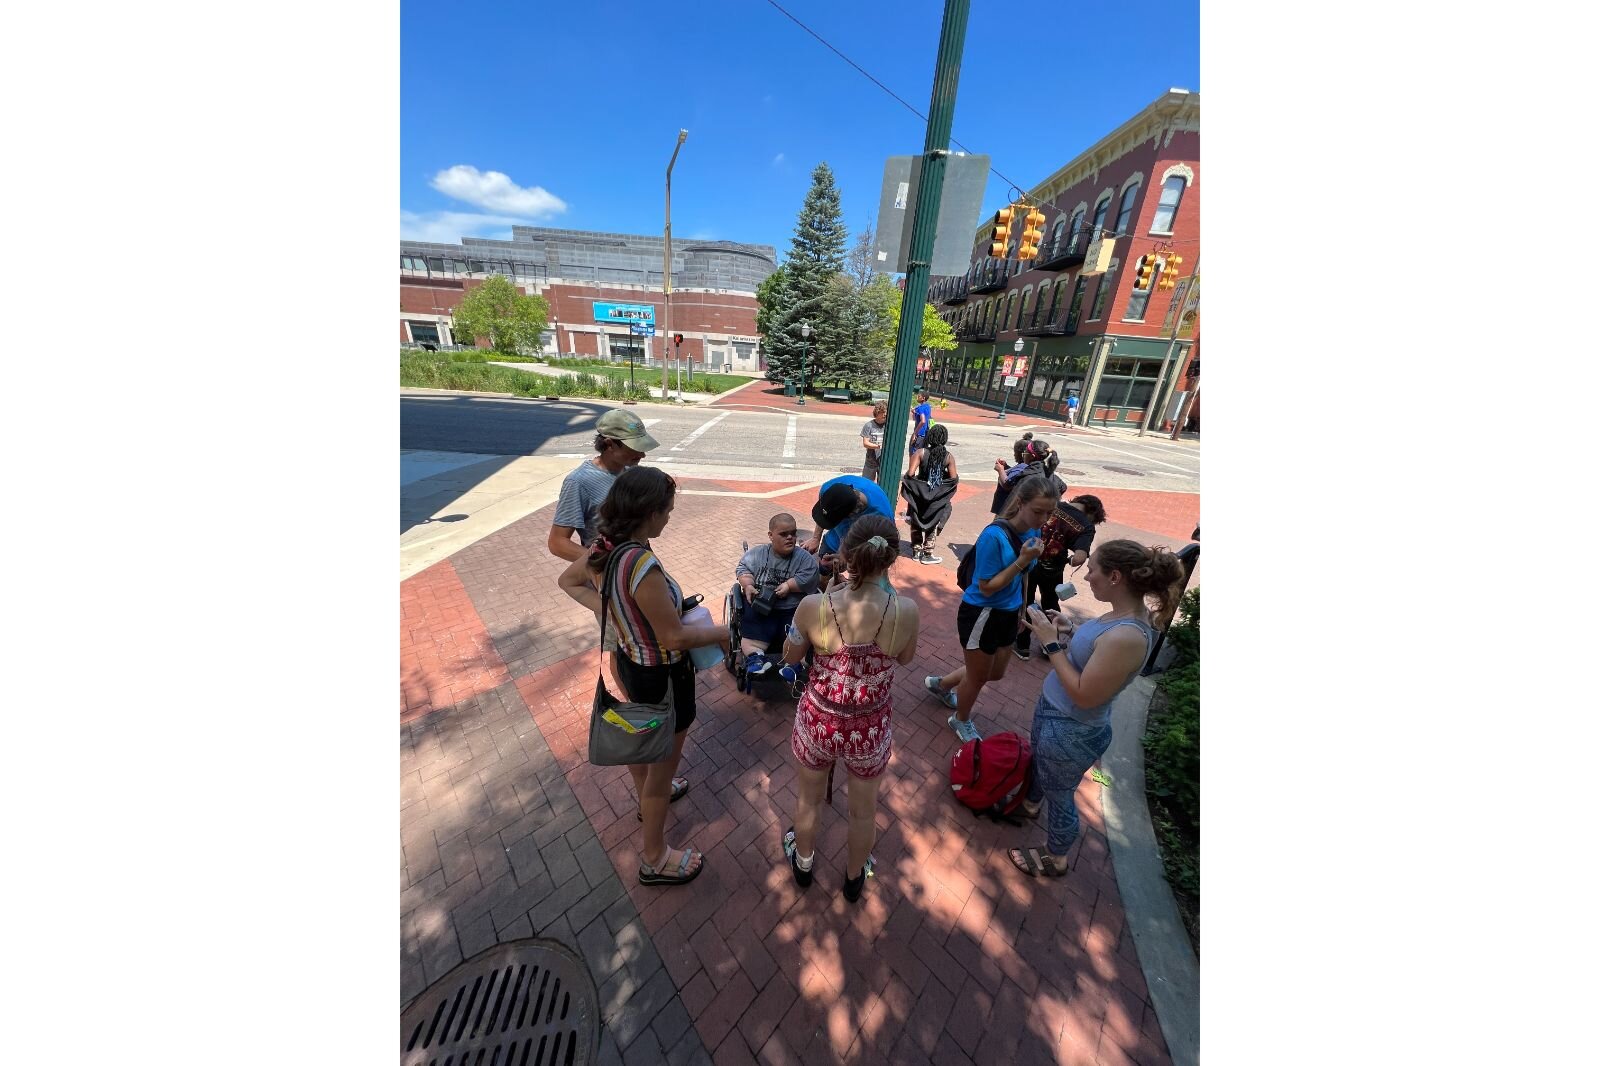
point(1068, 537)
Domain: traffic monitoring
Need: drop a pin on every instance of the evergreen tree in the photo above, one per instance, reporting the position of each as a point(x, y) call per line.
point(816, 256)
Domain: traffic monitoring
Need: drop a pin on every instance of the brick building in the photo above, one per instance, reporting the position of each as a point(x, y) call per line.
point(1092, 334)
point(596, 285)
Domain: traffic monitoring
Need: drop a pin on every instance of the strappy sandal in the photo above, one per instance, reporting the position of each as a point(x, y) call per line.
point(1031, 861)
point(792, 853)
point(650, 875)
point(680, 785)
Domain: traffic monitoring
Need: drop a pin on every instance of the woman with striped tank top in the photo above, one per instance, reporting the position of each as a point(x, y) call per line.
point(1072, 720)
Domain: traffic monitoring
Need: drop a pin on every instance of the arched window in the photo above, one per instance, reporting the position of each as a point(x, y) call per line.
point(1167, 210)
point(1027, 303)
point(1055, 236)
point(1098, 225)
point(1055, 301)
point(1077, 225)
point(1011, 306)
point(1125, 209)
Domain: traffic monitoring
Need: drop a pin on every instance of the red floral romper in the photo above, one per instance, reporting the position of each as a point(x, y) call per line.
point(844, 713)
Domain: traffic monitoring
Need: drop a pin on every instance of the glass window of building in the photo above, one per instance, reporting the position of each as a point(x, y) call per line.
point(1125, 209)
point(1167, 209)
point(1108, 281)
point(1100, 209)
point(1139, 299)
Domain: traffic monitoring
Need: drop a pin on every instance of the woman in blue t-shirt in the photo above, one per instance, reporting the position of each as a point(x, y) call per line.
point(1072, 720)
point(987, 621)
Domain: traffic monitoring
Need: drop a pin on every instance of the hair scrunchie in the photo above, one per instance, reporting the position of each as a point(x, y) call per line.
point(877, 542)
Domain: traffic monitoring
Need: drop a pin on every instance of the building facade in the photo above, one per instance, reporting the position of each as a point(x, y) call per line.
point(1091, 334)
point(598, 285)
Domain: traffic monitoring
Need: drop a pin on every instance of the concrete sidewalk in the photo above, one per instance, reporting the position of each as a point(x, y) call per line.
point(508, 832)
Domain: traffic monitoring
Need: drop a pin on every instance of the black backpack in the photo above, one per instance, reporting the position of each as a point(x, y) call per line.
point(970, 561)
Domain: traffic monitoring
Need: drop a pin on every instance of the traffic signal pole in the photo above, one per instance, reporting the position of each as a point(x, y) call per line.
point(930, 188)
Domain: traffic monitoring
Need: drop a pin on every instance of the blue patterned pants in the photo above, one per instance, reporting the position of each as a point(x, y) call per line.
point(1063, 751)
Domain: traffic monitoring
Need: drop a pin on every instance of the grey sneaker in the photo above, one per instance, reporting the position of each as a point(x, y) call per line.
point(965, 730)
point(932, 558)
point(948, 698)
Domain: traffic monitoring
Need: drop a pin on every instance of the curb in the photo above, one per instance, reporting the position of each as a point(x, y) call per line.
point(1171, 971)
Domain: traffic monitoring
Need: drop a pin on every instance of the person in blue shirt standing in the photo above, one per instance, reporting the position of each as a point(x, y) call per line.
point(1072, 408)
point(922, 416)
point(841, 502)
point(988, 617)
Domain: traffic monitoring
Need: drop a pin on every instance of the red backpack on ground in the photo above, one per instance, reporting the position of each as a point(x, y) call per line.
point(991, 776)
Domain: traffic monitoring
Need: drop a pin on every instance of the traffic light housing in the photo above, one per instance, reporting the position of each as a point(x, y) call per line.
point(1169, 272)
point(1002, 233)
point(1032, 234)
point(677, 338)
point(1147, 268)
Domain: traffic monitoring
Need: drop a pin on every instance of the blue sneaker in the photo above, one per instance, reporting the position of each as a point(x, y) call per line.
point(965, 730)
point(948, 698)
point(756, 665)
point(788, 673)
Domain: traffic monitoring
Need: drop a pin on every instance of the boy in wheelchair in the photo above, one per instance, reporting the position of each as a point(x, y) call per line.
point(773, 579)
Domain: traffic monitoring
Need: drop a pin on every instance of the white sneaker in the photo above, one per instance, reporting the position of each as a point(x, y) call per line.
point(965, 730)
point(756, 665)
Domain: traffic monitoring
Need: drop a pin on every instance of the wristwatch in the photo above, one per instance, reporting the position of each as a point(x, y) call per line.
point(1051, 648)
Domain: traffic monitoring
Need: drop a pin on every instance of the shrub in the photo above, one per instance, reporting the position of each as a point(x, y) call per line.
point(1172, 739)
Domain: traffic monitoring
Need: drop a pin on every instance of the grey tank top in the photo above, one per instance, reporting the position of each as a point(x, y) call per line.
point(1057, 703)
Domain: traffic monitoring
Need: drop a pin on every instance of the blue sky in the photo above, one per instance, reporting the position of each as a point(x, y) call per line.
point(565, 114)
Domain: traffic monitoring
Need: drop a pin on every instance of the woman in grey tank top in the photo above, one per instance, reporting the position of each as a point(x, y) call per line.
point(1072, 720)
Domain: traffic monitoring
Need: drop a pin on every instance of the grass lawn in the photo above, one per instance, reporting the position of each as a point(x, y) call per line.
point(651, 376)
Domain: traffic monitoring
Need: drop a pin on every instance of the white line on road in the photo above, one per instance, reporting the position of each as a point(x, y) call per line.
point(691, 438)
point(788, 437)
point(1136, 455)
point(650, 422)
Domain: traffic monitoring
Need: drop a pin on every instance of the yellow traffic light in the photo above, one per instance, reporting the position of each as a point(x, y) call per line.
point(1147, 267)
point(1002, 233)
point(1032, 234)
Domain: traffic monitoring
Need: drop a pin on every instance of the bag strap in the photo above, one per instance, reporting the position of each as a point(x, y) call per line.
point(605, 587)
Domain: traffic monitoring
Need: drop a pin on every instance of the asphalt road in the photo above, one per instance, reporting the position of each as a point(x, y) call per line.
point(771, 443)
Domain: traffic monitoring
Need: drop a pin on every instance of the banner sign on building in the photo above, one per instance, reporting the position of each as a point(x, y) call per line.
point(624, 314)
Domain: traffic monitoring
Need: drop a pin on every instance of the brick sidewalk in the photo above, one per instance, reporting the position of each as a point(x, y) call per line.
point(507, 832)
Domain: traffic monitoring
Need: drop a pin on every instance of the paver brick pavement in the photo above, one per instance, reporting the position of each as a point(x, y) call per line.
point(951, 954)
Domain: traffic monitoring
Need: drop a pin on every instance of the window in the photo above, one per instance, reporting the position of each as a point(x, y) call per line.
point(1055, 237)
point(1055, 302)
point(1027, 302)
point(1077, 225)
point(1139, 299)
point(1108, 281)
point(1011, 306)
point(1167, 209)
point(423, 332)
point(1125, 210)
point(1100, 209)
point(1077, 302)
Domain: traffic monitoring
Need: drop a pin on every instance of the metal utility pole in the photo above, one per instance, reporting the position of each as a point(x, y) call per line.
point(666, 261)
point(1172, 342)
point(930, 187)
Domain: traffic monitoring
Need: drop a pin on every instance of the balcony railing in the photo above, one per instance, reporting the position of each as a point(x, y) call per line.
point(1061, 324)
point(976, 332)
point(991, 277)
point(1068, 251)
point(954, 291)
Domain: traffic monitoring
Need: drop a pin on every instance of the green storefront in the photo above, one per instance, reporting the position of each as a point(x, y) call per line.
point(1122, 384)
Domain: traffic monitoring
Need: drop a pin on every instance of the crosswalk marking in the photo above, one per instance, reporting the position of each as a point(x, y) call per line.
point(691, 438)
point(788, 437)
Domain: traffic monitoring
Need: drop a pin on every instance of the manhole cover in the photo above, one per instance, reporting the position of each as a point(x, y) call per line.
point(524, 1003)
point(1124, 470)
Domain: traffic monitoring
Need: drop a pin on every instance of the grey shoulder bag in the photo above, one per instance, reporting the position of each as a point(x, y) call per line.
point(624, 733)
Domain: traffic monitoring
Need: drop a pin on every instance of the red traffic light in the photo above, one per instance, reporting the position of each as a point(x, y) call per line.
point(677, 338)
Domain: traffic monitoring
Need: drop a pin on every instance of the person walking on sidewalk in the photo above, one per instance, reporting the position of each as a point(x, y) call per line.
point(922, 420)
point(621, 440)
point(1072, 719)
point(858, 632)
point(986, 621)
point(928, 487)
point(643, 608)
point(1072, 408)
point(1068, 536)
point(872, 440)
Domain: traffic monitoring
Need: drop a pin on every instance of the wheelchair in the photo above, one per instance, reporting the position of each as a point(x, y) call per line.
point(767, 686)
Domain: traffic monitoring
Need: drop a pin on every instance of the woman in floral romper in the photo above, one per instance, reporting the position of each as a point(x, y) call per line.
point(858, 630)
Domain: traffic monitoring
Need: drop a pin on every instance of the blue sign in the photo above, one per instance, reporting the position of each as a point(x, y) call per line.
point(642, 329)
point(624, 314)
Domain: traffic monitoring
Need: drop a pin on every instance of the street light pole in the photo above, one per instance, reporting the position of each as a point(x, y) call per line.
point(1005, 389)
point(666, 261)
point(805, 334)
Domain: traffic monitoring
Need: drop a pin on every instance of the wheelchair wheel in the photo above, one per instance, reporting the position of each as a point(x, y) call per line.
point(733, 657)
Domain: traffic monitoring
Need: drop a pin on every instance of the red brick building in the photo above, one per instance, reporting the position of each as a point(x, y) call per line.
point(1083, 331)
point(596, 285)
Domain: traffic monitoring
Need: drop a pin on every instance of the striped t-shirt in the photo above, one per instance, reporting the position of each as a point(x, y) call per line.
point(627, 629)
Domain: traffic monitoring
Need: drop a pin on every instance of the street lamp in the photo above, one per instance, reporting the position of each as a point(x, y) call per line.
point(1006, 393)
point(805, 333)
point(666, 264)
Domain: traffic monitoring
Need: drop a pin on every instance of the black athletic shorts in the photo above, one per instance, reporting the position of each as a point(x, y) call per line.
point(648, 684)
point(985, 629)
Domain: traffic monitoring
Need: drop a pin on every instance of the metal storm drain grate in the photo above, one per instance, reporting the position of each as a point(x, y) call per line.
point(1124, 470)
point(523, 1003)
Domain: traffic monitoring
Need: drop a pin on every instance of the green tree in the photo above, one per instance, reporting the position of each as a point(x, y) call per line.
point(882, 300)
point(816, 257)
point(496, 310)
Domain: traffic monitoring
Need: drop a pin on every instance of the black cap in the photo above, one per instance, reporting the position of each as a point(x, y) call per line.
point(836, 504)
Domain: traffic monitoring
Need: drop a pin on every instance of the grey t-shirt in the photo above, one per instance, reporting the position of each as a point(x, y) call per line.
point(872, 433)
point(771, 570)
point(582, 493)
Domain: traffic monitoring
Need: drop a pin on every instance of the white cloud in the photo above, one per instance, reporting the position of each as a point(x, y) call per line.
point(448, 227)
point(494, 191)
point(777, 159)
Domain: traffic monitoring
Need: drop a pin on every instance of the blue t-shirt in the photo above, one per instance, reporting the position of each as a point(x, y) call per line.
point(923, 413)
point(994, 555)
point(877, 503)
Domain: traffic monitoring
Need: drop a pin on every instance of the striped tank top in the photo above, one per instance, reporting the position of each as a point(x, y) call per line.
point(627, 629)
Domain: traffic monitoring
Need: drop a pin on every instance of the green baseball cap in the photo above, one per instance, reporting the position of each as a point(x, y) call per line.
point(627, 427)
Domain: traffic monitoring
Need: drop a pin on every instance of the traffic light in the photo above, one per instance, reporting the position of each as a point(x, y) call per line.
point(1032, 234)
point(677, 338)
point(1147, 267)
point(1002, 233)
point(1169, 272)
